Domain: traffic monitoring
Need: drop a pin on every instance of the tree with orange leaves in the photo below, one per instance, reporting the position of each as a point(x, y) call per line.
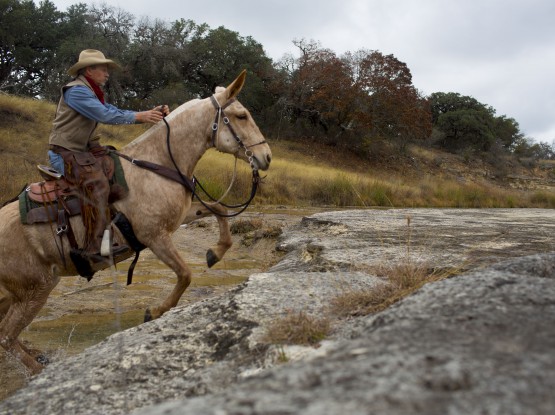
point(355, 98)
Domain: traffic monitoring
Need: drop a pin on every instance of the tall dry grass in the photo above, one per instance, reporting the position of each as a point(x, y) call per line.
point(297, 180)
point(297, 177)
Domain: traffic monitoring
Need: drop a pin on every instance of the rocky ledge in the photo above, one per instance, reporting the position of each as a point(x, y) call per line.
point(479, 342)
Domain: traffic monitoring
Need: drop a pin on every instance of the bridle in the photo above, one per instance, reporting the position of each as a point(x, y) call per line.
point(178, 176)
point(222, 117)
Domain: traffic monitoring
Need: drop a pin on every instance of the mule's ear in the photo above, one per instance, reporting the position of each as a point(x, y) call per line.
point(236, 86)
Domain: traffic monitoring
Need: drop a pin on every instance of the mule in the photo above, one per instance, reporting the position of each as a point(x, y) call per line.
point(30, 261)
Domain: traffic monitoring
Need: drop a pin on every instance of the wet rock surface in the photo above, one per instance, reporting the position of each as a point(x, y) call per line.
point(479, 342)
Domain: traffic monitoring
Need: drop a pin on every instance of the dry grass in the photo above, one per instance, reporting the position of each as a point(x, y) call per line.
point(120, 135)
point(297, 179)
point(353, 303)
point(543, 199)
point(399, 281)
point(298, 327)
point(323, 176)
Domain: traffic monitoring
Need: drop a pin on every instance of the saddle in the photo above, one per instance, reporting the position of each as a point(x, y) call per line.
point(46, 198)
point(48, 190)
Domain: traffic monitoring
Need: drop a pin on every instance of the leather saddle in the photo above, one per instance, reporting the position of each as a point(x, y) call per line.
point(54, 186)
point(51, 195)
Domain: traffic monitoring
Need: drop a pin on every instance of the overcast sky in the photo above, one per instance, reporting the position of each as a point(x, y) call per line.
point(501, 52)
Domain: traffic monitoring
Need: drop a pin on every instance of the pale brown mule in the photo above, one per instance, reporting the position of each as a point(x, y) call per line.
point(30, 263)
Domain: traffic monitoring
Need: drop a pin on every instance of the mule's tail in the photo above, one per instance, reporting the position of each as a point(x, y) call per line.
point(13, 199)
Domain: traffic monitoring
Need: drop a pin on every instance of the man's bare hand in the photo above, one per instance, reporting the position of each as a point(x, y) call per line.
point(164, 109)
point(152, 116)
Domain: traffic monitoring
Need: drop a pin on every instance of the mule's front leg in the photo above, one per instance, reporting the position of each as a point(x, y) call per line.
point(165, 250)
point(214, 255)
point(197, 211)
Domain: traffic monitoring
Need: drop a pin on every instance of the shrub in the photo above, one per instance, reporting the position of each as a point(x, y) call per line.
point(242, 226)
point(297, 328)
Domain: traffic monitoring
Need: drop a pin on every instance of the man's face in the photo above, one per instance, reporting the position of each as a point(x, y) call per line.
point(98, 73)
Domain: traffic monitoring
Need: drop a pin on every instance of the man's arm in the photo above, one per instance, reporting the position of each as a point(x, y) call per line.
point(85, 102)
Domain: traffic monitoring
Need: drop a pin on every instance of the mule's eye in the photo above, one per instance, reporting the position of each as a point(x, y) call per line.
point(242, 116)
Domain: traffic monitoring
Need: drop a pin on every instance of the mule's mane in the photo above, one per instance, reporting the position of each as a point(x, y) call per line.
point(155, 129)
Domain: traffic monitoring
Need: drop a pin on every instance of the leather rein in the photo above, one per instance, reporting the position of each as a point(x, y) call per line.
point(190, 184)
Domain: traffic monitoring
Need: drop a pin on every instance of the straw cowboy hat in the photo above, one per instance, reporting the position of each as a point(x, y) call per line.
point(90, 57)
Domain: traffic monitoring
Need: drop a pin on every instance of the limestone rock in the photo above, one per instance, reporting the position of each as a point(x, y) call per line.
point(480, 342)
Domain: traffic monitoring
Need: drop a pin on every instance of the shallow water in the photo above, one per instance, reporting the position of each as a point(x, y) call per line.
point(77, 329)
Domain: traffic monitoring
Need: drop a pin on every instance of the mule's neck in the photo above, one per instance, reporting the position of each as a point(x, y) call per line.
point(189, 127)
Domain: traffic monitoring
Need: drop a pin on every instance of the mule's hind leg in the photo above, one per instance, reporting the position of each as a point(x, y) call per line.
point(18, 316)
point(5, 303)
point(165, 250)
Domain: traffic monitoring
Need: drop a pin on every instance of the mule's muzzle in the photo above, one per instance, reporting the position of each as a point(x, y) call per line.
point(262, 162)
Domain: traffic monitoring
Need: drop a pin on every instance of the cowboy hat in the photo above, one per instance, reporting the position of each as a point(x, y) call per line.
point(90, 57)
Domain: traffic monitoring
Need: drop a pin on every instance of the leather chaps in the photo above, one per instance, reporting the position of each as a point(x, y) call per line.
point(90, 173)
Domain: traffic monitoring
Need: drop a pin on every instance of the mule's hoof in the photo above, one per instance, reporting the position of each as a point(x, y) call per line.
point(211, 258)
point(42, 359)
point(148, 315)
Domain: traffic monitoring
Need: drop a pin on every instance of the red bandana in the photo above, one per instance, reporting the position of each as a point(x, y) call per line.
point(99, 93)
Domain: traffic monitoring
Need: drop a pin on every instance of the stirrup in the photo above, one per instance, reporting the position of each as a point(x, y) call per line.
point(115, 251)
point(96, 257)
point(48, 173)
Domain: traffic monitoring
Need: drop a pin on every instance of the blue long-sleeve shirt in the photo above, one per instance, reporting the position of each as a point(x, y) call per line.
point(84, 101)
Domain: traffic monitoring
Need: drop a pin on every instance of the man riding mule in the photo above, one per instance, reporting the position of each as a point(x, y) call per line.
point(75, 151)
point(158, 167)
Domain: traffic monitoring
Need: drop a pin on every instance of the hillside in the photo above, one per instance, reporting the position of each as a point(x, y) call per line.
point(417, 162)
point(308, 173)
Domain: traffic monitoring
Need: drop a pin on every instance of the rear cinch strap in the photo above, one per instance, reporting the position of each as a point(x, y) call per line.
point(123, 224)
point(132, 268)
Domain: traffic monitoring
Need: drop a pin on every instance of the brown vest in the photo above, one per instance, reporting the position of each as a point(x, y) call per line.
point(72, 130)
